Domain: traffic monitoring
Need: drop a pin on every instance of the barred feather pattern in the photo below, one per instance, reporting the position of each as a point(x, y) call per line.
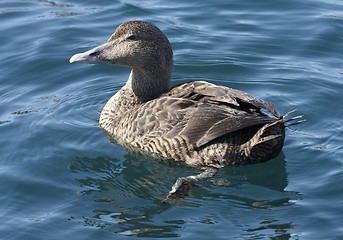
point(198, 123)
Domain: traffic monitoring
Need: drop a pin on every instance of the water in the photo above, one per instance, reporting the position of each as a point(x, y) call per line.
point(62, 179)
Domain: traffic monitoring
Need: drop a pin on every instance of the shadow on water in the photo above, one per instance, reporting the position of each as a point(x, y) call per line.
point(125, 197)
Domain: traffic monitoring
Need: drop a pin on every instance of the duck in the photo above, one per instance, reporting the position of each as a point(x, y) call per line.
point(198, 123)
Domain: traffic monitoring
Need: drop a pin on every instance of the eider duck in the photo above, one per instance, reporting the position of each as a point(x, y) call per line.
point(199, 123)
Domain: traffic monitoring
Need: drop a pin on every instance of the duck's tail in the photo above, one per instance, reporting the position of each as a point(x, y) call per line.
point(293, 120)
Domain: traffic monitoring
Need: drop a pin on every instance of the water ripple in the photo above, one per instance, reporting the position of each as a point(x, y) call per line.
point(61, 176)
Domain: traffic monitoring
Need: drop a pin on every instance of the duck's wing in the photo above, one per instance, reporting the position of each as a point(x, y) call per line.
point(213, 111)
point(208, 92)
point(207, 122)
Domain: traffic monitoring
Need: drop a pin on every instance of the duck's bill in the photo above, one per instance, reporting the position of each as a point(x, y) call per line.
point(91, 56)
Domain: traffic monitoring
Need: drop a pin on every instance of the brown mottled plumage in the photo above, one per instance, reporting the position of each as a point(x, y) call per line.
point(198, 123)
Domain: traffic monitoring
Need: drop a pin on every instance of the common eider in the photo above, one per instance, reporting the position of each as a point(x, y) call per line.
point(199, 123)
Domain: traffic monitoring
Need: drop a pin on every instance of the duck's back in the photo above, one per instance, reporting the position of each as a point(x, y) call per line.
point(202, 124)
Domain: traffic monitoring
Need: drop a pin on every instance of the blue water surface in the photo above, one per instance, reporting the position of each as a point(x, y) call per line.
point(61, 178)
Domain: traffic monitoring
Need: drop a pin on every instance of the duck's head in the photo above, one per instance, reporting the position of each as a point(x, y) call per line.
point(136, 44)
point(141, 46)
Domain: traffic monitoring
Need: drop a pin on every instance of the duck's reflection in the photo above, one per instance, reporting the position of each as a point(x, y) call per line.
point(125, 197)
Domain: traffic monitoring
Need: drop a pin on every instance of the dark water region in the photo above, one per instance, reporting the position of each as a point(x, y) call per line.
point(62, 178)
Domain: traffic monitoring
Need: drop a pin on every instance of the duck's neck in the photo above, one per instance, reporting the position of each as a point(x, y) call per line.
point(140, 87)
point(147, 85)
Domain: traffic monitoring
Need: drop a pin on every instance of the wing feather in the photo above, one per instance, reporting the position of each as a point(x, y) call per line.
point(207, 111)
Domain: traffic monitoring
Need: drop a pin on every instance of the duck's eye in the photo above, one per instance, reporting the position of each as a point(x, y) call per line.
point(132, 37)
